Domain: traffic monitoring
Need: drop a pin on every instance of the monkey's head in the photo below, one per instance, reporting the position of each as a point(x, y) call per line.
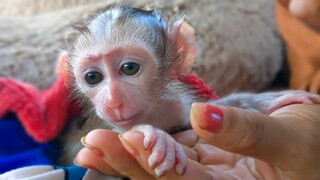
point(123, 59)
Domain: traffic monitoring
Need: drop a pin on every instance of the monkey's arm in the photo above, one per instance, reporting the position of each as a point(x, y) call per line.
point(268, 102)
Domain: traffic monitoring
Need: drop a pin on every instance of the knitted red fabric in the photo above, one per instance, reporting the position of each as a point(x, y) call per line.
point(198, 85)
point(44, 114)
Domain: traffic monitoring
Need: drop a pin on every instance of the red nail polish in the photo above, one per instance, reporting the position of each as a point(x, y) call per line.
point(212, 118)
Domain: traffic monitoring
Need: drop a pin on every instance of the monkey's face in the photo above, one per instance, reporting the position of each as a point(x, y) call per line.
point(118, 84)
point(123, 61)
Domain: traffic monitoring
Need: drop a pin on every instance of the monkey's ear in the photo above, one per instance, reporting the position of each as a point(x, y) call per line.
point(63, 67)
point(184, 35)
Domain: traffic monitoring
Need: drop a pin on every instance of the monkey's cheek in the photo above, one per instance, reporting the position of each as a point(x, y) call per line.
point(102, 114)
point(105, 113)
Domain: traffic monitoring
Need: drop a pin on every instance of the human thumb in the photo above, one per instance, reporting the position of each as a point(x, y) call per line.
point(238, 130)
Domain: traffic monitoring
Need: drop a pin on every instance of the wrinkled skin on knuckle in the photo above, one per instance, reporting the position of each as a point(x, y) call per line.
point(249, 133)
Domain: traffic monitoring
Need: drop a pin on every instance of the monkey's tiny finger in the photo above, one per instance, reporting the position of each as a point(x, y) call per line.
point(169, 159)
point(182, 159)
point(154, 159)
point(158, 150)
point(149, 138)
point(149, 135)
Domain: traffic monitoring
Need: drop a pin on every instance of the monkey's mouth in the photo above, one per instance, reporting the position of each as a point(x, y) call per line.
point(127, 122)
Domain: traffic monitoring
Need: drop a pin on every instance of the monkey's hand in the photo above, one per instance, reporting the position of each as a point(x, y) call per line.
point(166, 152)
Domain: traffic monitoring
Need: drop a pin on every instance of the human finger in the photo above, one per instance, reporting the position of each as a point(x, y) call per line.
point(241, 131)
point(107, 142)
point(89, 159)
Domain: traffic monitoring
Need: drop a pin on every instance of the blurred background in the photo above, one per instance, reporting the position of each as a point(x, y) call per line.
point(239, 47)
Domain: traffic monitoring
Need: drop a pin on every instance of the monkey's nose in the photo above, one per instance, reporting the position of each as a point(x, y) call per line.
point(114, 97)
point(114, 104)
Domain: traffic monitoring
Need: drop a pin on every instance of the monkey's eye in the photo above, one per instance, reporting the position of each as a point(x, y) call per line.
point(93, 77)
point(130, 68)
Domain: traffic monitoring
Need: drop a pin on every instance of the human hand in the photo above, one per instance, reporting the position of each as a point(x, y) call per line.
point(307, 11)
point(299, 25)
point(282, 145)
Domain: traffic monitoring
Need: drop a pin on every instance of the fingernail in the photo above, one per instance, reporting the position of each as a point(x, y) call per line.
point(208, 117)
point(153, 164)
point(146, 145)
point(154, 159)
point(83, 165)
point(160, 173)
point(181, 170)
point(128, 147)
point(94, 150)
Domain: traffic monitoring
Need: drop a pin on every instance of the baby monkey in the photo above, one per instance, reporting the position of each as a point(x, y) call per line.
point(128, 67)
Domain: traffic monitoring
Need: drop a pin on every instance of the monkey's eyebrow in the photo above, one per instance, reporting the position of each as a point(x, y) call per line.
point(115, 52)
point(92, 57)
point(98, 57)
point(120, 52)
point(125, 50)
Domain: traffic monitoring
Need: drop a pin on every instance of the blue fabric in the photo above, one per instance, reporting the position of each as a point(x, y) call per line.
point(17, 149)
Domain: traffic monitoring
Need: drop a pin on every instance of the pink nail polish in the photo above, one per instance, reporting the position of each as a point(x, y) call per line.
point(212, 118)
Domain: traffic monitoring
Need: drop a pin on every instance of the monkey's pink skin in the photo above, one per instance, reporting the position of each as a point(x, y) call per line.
point(149, 135)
